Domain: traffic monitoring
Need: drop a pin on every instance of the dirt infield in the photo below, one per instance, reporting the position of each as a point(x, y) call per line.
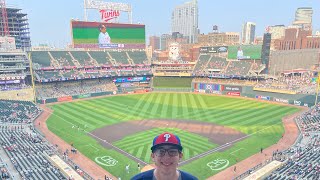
point(215, 133)
point(82, 161)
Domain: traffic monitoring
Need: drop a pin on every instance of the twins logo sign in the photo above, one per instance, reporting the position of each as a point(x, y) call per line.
point(218, 164)
point(106, 161)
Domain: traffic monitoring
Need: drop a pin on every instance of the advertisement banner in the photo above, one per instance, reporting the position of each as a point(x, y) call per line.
point(233, 93)
point(66, 98)
point(10, 82)
point(232, 88)
point(263, 97)
point(84, 96)
point(281, 100)
point(214, 49)
point(215, 92)
point(297, 103)
point(131, 79)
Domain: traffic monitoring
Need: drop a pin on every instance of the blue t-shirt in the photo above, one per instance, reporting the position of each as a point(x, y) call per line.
point(148, 175)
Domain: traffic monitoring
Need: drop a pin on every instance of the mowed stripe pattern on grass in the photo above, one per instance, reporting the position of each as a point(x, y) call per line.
point(245, 115)
point(139, 144)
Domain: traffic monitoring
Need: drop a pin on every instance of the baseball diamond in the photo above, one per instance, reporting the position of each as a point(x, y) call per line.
point(212, 128)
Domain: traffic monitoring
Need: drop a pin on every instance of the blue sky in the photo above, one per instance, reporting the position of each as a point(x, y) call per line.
point(50, 19)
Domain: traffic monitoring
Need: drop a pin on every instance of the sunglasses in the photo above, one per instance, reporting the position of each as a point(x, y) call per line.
point(171, 152)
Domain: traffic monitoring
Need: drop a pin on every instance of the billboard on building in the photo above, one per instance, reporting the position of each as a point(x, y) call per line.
point(214, 49)
point(244, 52)
point(107, 35)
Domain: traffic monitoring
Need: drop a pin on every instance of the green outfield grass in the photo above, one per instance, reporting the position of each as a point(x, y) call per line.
point(262, 121)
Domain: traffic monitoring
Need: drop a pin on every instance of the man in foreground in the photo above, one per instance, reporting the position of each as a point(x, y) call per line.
point(166, 154)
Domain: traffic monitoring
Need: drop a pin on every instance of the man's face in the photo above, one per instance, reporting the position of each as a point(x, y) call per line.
point(103, 29)
point(166, 158)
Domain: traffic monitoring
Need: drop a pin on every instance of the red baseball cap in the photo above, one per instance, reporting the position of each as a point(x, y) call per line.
point(166, 139)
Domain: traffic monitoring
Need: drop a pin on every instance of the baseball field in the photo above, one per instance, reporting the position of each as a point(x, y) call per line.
point(215, 131)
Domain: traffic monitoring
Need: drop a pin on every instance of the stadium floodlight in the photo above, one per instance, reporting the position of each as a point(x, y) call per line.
point(115, 6)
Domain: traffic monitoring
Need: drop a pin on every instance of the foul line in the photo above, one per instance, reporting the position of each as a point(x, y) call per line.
point(118, 149)
point(97, 149)
point(223, 146)
point(236, 151)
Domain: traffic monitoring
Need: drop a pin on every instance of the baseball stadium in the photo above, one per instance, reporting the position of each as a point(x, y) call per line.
point(91, 111)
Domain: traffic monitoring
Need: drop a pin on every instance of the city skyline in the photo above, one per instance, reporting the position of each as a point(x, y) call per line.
point(51, 26)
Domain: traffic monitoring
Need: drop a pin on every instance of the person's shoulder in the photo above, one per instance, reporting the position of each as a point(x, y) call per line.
point(187, 176)
point(147, 175)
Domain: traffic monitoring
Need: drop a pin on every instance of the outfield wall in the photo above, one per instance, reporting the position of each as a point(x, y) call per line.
point(248, 91)
point(71, 98)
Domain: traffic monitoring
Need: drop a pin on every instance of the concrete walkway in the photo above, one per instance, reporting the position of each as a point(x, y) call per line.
point(13, 172)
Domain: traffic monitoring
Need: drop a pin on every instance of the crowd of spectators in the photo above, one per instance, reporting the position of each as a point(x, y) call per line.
point(301, 83)
point(4, 174)
point(60, 89)
point(63, 62)
point(26, 150)
point(18, 111)
point(302, 160)
point(217, 65)
point(225, 81)
point(239, 68)
point(92, 72)
point(170, 61)
point(90, 62)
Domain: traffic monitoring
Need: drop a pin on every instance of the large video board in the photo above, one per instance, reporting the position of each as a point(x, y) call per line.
point(107, 35)
point(244, 52)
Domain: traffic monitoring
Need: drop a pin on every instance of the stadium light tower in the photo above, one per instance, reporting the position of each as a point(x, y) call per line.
point(4, 18)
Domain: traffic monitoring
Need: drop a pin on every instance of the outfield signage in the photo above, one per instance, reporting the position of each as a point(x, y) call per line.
point(131, 79)
point(281, 100)
point(66, 98)
point(10, 82)
point(233, 93)
point(233, 88)
point(214, 49)
point(263, 97)
point(84, 96)
point(300, 103)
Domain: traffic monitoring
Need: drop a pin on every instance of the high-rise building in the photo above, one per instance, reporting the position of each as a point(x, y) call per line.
point(18, 27)
point(185, 20)
point(303, 18)
point(163, 39)
point(277, 32)
point(154, 42)
point(248, 33)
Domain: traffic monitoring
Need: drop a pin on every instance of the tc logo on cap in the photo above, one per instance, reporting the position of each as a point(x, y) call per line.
point(167, 136)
